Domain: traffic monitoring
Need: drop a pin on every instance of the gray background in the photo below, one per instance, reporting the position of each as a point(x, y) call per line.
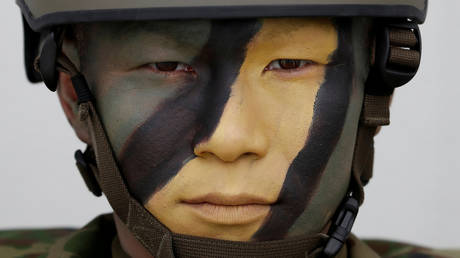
point(414, 195)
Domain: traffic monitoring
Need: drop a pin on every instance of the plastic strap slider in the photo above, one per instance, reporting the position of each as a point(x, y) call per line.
point(341, 229)
point(87, 173)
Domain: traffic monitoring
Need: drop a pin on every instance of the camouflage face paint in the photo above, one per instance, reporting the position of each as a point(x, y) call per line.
point(238, 130)
point(304, 175)
point(166, 140)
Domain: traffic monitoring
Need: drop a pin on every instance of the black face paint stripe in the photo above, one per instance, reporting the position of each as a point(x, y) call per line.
point(305, 172)
point(225, 61)
point(156, 151)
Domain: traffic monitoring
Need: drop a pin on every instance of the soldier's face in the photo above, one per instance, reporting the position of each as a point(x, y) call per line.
point(237, 130)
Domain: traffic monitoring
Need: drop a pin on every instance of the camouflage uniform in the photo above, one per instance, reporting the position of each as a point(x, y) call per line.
point(99, 239)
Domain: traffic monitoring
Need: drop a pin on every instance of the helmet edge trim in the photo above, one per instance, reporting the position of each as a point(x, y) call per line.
point(227, 12)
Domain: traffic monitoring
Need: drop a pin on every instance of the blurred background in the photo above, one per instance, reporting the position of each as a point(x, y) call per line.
point(413, 197)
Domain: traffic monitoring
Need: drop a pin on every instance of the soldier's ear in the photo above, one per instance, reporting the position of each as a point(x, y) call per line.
point(66, 92)
point(68, 99)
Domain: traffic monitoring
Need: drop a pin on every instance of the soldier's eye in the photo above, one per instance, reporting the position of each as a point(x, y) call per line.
point(167, 66)
point(288, 64)
point(170, 67)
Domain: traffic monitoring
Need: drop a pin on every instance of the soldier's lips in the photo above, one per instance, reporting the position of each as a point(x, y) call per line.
point(229, 209)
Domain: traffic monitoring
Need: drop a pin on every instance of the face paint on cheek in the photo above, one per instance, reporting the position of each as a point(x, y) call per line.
point(161, 146)
point(305, 172)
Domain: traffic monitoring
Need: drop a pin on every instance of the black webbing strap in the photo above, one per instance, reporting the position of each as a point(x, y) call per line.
point(403, 49)
point(375, 113)
point(193, 247)
point(107, 173)
point(396, 56)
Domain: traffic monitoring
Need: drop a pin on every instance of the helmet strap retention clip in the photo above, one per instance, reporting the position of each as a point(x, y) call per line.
point(341, 228)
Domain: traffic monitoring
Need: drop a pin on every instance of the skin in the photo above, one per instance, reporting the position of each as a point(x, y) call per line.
point(231, 144)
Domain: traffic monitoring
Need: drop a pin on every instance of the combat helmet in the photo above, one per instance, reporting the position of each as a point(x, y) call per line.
point(395, 61)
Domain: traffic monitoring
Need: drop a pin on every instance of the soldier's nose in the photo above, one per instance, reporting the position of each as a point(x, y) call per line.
point(237, 135)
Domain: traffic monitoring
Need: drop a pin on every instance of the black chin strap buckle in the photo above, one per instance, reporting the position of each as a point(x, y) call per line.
point(83, 163)
point(341, 228)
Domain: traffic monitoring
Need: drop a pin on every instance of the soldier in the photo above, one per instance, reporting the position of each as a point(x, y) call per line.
point(240, 129)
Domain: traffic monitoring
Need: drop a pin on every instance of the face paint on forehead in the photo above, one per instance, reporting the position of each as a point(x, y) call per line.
point(304, 174)
point(161, 146)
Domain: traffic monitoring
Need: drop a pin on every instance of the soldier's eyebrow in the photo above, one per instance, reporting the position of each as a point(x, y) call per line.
point(184, 32)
